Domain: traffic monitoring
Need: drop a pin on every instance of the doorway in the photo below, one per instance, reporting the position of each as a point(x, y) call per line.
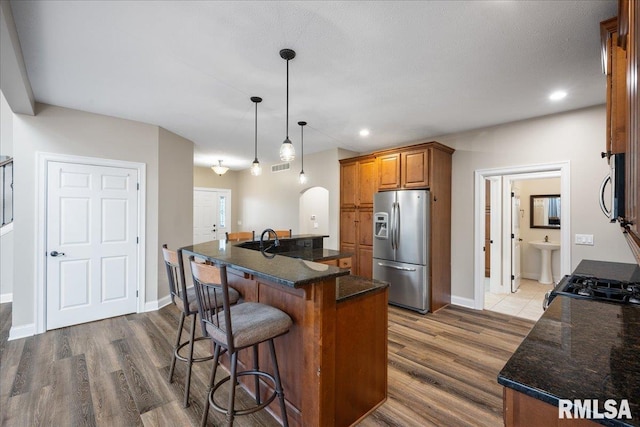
point(211, 214)
point(90, 239)
point(493, 193)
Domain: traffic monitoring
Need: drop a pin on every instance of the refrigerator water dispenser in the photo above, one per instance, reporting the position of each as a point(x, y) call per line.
point(381, 225)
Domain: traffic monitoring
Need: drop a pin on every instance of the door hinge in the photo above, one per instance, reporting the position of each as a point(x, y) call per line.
point(137, 240)
point(136, 294)
point(513, 194)
point(484, 249)
point(137, 186)
point(513, 277)
point(513, 236)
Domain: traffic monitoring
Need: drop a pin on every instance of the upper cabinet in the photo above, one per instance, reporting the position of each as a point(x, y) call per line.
point(408, 167)
point(405, 168)
point(629, 31)
point(614, 66)
point(357, 182)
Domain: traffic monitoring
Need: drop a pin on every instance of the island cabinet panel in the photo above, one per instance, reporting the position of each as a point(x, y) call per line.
point(389, 171)
point(361, 356)
point(615, 67)
point(522, 410)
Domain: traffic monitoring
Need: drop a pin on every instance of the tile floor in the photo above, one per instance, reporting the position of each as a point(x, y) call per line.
point(526, 302)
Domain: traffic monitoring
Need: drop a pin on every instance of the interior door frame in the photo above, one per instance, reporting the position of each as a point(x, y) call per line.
point(40, 285)
point(515, 173)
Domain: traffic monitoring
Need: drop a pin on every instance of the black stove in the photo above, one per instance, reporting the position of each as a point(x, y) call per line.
point(589, 287)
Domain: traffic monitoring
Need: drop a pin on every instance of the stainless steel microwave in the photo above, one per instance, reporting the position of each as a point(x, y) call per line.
point(615, 211)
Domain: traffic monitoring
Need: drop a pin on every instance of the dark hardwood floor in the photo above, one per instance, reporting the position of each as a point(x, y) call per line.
point(442, 372)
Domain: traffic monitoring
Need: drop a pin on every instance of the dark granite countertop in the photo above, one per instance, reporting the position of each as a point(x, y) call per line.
point(581, 349)
point(609, 270)
point(348, 287)
point(317, 254)
point(285, 270)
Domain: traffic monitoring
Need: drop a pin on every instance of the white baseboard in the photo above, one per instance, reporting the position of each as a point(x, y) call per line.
point(158, 304)
point(22, 331)
point(6, 298)
point(464, 302)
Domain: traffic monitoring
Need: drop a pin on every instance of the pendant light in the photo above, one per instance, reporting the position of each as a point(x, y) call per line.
point(256, 169)
point(302, 178)
point(287, 152)
point(219, 169)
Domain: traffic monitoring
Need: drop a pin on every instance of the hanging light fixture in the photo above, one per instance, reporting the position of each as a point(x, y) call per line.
point(219, 169)
point(256, 169)
point(302, 178)
point(287, 152)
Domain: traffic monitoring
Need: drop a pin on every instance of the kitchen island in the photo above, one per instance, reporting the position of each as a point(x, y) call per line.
point(579, 349)
point(333, 360)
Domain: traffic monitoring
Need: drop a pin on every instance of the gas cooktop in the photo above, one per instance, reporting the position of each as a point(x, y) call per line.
point(589, 287)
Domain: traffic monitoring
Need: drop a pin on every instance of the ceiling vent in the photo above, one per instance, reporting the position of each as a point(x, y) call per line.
point(280, 167)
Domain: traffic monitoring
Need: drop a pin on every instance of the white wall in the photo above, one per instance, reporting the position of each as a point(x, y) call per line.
point(530, 265)
point(72, 132)
point(271, 199)
point(314, 211)
point(577, 137)
point(6, 237)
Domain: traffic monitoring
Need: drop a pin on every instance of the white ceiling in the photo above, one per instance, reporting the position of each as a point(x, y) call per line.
point(408, 71)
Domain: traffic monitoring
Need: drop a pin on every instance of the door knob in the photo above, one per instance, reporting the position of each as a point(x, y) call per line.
point(56, 253)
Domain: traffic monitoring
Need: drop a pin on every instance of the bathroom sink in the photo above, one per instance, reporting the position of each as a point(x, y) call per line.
point(546, 275)
point(541, 244)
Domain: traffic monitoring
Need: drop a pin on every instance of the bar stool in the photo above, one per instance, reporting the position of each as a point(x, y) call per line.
point(233, 328)
point(239, 236)
point(283, 233)
point(185, 299)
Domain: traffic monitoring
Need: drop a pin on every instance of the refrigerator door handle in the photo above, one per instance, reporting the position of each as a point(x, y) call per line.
point(392, 226)
point(396, 226)
point(396, 267)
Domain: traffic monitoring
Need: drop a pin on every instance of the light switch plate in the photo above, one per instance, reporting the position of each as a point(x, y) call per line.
point(584, 239)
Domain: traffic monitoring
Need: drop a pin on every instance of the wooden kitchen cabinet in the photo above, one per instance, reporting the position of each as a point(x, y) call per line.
point(629, 33)
point(389, 171)
point(421, 166)
point(357, 187)
point(614, 64)
point(522, 410)
point(357, 182)
point(403, 169)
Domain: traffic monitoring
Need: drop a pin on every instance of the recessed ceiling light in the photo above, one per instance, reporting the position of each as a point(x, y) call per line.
point(557, 95)
point(364, 132)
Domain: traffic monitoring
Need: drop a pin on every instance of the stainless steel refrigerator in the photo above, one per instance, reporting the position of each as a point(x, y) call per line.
point(401, 246)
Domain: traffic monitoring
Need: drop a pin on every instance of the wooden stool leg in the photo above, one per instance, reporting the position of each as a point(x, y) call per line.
point(175, 347)
point(189, 361)
point(276, 375)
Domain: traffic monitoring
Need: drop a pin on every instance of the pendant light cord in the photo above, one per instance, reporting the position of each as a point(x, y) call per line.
point(287, 132)
point(302, 145)
point(256, 134)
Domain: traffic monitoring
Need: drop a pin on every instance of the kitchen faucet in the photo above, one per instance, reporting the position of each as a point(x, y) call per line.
point(276, 242)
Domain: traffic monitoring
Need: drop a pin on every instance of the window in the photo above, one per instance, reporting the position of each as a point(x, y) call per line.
point(6, 190)
point(222, 206)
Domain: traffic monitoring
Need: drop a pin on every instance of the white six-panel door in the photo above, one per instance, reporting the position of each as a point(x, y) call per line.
point(92, 218)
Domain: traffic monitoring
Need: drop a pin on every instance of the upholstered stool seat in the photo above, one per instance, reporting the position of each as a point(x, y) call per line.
point(233, 328)
point(186, 301)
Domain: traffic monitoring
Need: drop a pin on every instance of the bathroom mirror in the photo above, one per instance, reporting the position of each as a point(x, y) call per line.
point(545, 211)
